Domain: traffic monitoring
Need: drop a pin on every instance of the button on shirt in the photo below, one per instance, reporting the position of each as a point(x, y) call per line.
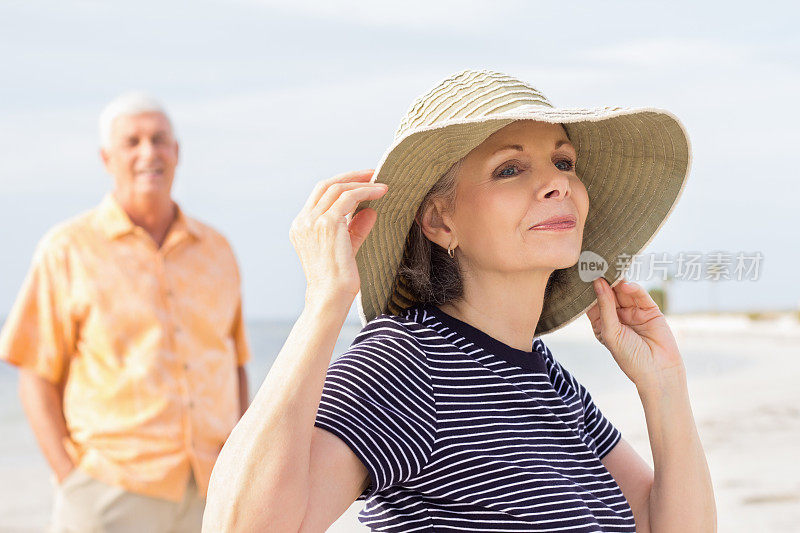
point(145, 340)
point(460, 432)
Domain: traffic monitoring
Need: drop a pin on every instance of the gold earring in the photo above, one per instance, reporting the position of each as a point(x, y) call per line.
point(450, 252)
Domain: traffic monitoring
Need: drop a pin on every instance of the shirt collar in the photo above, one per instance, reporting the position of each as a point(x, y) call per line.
point(115, 222)
point(530, 360)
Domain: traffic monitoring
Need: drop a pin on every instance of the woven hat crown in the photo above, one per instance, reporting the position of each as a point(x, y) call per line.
point(470, 94)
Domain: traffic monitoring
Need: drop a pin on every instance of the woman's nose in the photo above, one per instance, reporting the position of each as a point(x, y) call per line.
point(555, 186)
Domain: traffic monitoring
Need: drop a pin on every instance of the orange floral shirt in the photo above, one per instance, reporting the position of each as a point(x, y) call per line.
point(145, 341)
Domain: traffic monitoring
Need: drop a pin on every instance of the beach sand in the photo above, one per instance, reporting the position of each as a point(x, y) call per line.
point(748, 418)
point(743, 382)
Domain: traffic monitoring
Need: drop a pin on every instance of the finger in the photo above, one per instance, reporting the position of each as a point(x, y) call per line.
point(593, 312)
point(638, 296)
point(336, 191)
point(598, 285)
point(594, 317)
point(623, 314)
point(609, 322)
point(345, 177)
point(595, 321)
point(348, 200)
point(360, 226)
point(623, 294)
point(359, 176)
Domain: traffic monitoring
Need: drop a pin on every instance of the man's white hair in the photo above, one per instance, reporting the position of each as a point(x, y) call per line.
point(130, 103)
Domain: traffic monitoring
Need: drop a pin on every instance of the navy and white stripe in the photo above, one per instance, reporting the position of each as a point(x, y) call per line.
point(460, 432)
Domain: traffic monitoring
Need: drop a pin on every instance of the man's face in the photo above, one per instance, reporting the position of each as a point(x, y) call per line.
point(142, 155)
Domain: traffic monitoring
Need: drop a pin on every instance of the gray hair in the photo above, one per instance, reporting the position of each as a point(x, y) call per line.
point(130, 103)
point(427, 270)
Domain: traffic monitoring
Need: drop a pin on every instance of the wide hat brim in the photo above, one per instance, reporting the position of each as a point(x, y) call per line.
point(634, 163)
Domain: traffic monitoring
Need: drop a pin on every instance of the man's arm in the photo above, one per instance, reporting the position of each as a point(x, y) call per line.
point(42, 402)
point(244, 393)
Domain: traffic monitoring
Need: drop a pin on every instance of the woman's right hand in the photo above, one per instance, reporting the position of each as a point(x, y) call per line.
point(324, 240)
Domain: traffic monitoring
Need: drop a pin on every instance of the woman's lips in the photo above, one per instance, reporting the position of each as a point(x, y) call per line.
point(556, 224)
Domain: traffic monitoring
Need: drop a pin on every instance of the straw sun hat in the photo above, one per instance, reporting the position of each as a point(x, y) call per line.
point(634, 163)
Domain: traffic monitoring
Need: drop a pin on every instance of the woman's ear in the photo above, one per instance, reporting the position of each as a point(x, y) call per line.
point(436, 225)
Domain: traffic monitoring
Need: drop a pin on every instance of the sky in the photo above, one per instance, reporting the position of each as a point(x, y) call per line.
point(268, 98)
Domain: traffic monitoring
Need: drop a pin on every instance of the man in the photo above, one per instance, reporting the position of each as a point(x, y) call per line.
point(129, 335)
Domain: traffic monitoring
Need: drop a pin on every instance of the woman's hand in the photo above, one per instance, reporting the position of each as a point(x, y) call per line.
point(326, 241)
point(629, 323)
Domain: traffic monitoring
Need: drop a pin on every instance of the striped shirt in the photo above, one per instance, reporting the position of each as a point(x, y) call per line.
point(460, 432)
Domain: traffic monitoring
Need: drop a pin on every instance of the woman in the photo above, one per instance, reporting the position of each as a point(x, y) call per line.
point(440, 414)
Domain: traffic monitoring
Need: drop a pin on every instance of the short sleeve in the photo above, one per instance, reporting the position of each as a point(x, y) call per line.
point(378, 399)
point(38, 333)
point(603, 435)
point(239, 335)
point(238, 330)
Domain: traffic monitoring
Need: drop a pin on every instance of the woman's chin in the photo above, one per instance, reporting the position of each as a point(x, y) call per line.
point(560, 265)
point(564, 258)
point(550, 263)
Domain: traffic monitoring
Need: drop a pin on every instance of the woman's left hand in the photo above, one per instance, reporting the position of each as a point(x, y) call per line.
point(629, 323)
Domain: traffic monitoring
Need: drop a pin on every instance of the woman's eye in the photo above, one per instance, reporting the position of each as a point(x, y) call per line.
point(507, 172)
point(569, 163)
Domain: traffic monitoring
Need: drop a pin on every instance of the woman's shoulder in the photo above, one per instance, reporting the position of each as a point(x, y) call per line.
point(542, 348)
point(408, 325)
point(397, 337)
point(386, 350)
point(559, 375)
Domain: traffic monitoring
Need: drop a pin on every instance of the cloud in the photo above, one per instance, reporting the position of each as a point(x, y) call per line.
point(443, 15)
point(671, 53)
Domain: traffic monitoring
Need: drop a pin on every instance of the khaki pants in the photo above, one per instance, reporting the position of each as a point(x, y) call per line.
point(86, 505)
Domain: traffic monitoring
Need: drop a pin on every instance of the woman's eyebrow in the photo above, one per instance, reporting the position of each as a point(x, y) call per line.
point(564, 141)
point(517, 147)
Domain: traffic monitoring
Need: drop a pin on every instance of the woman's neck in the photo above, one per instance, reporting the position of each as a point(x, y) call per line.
point(506, 307)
